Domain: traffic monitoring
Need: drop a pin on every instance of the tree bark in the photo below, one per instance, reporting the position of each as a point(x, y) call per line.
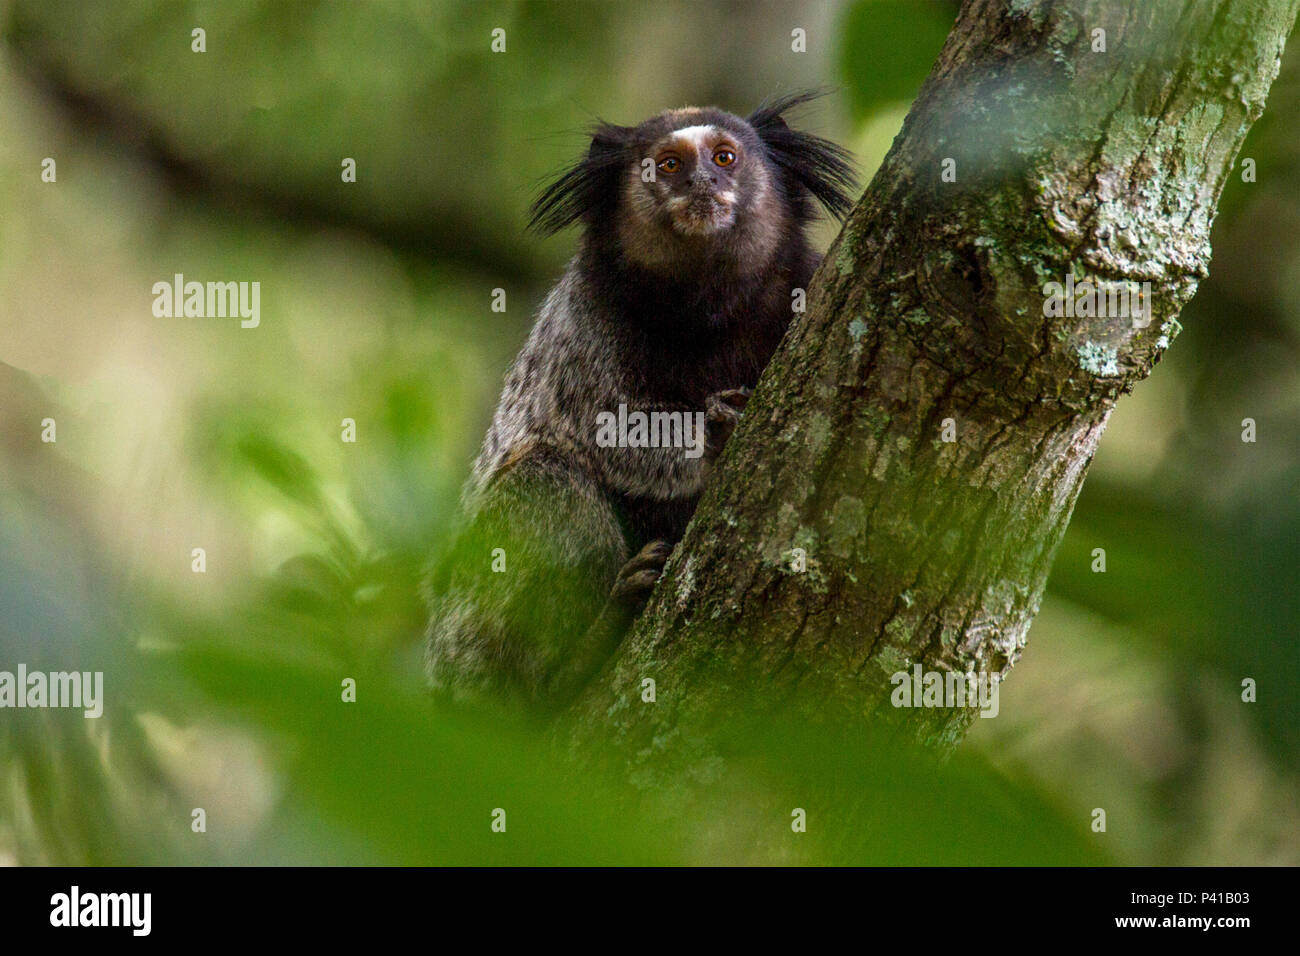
point(930, 306)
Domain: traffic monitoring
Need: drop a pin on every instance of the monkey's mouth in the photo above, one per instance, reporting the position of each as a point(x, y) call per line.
point(701, 214)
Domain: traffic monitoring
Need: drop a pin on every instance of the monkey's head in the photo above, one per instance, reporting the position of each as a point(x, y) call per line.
point(699, 188)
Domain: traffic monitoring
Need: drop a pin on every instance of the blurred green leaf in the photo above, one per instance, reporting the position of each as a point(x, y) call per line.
point(887, 48)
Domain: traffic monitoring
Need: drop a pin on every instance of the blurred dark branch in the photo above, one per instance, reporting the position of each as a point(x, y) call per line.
point(442, 235)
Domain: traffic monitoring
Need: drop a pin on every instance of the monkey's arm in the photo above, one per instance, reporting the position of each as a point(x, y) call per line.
point(663, 472)
point(570, 373)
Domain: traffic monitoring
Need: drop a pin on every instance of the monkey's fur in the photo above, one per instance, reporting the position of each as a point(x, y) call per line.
point(677, 297)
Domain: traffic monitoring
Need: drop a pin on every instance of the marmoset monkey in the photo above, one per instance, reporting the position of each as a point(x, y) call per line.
point(692, 246)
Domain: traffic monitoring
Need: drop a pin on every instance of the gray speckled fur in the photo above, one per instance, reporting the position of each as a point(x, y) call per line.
point(562, 379)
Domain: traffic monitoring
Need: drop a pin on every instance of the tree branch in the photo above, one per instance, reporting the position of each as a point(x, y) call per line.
point(928, 307)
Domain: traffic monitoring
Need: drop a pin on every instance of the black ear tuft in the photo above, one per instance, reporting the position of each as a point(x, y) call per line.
point(809, 163)
point(588, 186)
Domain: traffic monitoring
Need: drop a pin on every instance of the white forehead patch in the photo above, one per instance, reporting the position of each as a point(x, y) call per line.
point(696, 135)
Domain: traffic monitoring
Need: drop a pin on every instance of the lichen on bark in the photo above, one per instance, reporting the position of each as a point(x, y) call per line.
point(927, 318)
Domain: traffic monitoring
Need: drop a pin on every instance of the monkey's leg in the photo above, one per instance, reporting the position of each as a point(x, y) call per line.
point(627, 597)
point(523, 585)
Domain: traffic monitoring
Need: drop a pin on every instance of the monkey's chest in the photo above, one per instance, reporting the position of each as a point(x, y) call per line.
point(681, 373)
point(651, 519)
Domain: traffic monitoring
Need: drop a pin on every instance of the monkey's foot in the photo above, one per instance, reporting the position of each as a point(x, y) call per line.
point(637, 578)
point(722, 411)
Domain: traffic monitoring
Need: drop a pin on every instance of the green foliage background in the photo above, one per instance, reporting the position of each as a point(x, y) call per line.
point(224, 688)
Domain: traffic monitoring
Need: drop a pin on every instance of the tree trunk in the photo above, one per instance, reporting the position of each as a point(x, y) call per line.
point(930, 307)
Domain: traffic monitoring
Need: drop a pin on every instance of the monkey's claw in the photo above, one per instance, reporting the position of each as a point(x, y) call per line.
point(637, 578)
point(722, 411)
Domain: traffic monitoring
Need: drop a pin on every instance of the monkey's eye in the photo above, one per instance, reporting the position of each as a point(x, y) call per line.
point(670, 164)
point(724, 157)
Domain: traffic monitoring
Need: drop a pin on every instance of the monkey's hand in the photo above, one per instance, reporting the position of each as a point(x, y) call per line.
point(722, 413)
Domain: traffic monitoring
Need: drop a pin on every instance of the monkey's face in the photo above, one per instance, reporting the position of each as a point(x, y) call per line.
point(698, 194)
point(693, 178)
